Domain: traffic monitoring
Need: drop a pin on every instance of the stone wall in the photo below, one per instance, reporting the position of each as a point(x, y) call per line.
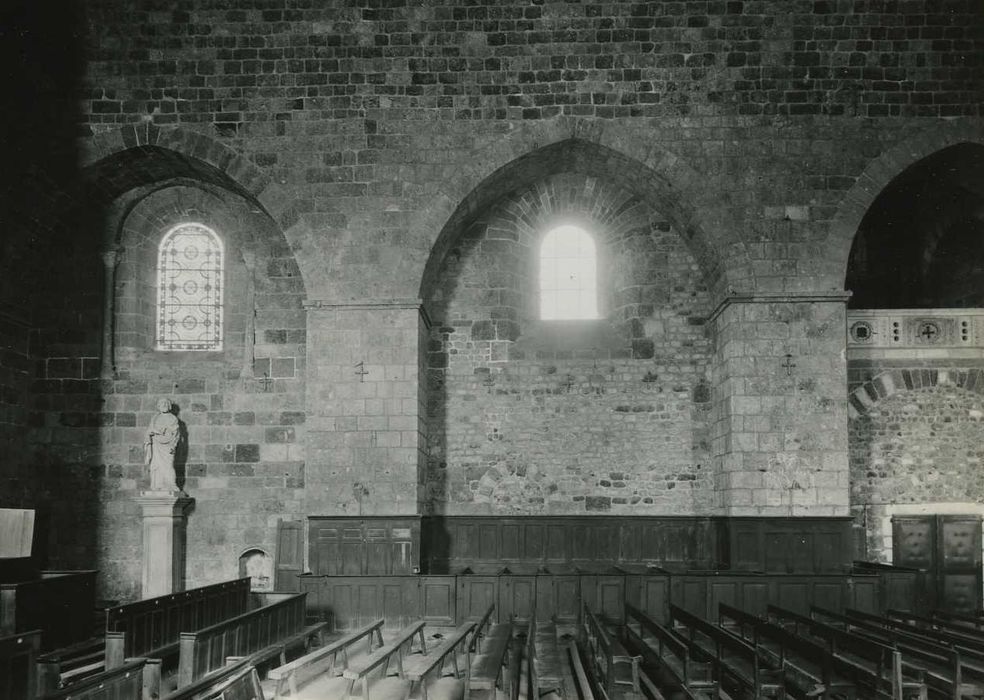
point(366, 141)
point(242, 408)
point(16, 375)
point(568, 416)
point(917, 442)
point(779, 440)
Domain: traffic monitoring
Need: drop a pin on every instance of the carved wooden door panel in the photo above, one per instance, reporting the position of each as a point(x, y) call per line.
point(948, 549)
point(960, 575)
point(290, 555)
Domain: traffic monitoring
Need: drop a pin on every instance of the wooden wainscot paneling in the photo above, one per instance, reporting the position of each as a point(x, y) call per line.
point(673, 543)
point(604, 595)
point(787, 545)
point(475, 595)
point(438, 600)
point(899, 587)
point(354, 546)
point(650, 593)
point(348, 602)
point(487, 544)
point(558, 598)
point(517, 596)
point(352, 601)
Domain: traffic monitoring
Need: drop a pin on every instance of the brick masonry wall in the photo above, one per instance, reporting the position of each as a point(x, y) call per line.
point(597, 416)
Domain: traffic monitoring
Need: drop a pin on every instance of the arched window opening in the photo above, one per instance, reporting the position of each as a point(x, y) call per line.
point(189, 289)
point(568, 275)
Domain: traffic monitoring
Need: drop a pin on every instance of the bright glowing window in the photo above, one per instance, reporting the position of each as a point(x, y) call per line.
point(568, 275)
point(189, 289)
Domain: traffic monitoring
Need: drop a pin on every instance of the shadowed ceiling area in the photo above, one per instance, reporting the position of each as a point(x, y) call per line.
point(921, 244)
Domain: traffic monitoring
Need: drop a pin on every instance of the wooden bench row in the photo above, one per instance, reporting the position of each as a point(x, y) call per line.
point(474, 654)
point(146, 628)
point(617, 668)
point(951, 666)
point(253, 638)
point(681, 671)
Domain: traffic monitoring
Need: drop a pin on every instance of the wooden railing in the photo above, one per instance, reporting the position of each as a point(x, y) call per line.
point(207, 649)
point(146, 627)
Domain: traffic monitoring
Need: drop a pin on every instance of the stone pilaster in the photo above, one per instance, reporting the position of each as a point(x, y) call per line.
point(365, 437)
point(780, 442)
point(107, 365)
point(164, 517)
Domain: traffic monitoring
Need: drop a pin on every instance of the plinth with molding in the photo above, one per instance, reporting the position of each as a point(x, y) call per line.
point(164, 515)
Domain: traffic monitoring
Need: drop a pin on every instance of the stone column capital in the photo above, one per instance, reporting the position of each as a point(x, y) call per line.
point(164, 503)
point(111, 258)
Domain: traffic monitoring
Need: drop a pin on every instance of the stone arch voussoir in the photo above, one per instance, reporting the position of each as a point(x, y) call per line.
point(189, 143)
point(891, 382)
point(879, 173)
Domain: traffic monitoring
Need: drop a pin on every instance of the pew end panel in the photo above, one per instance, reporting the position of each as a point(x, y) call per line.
point(18, 664)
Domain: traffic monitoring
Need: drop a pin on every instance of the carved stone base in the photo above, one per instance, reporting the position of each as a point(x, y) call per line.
point(164, 519)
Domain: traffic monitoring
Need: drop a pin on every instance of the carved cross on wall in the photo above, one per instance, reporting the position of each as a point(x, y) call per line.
point(928, 331)
point(788, 364)
point(361, 371)
point(265, 381)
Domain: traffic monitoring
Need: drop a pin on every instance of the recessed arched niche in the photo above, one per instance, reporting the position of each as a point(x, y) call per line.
point(258, 565)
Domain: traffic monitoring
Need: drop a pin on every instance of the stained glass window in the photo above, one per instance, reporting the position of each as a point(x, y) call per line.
point(568, 275)
point(189, 289)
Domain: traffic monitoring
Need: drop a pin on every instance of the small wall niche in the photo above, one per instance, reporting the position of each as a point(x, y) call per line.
point(258, 565)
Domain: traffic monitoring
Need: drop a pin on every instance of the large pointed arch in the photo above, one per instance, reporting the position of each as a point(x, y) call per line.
point(630, 160)
point(150, 155)
point(879, 173)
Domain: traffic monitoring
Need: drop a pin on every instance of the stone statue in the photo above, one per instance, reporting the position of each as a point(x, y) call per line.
point(163, 436)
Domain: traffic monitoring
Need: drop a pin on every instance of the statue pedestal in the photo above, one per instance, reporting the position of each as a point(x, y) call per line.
point(164, 518)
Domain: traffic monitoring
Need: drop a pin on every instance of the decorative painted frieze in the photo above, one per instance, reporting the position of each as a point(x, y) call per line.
point(915, 333)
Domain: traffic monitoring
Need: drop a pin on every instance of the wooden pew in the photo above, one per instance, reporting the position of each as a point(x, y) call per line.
point(136, 679)
point(617, 667)
point(259, 635)
point(62, 667)
point(950, 669)
point(18, 665)
point(59, 603)
point(809, 665)
point(737, 661)
point(482, 629)
point(211, 685)
point(417, 668)
point(545, 660)
point(153, 626)
point(874, 666)
point(962, 619)
point(693, 678)
point(487, 666)
point(581, 682)
point(323, 661)
point(145, 628)
point(945, 630)
point(243, 685)
point(396, 650)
